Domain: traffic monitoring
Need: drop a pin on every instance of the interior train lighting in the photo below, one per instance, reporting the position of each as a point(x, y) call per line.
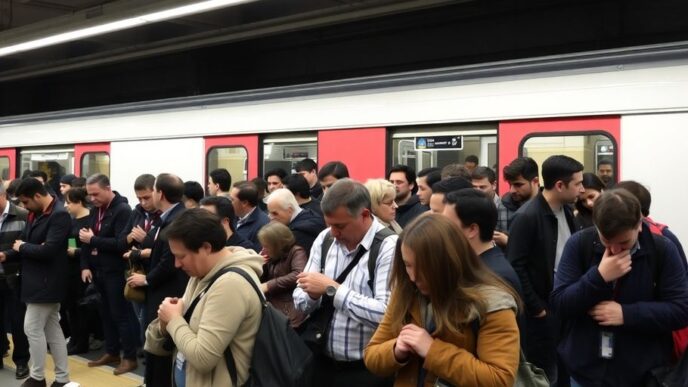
point(136, 21)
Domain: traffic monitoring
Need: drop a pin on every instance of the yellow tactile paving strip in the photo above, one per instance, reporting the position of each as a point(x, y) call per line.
point(88, 377)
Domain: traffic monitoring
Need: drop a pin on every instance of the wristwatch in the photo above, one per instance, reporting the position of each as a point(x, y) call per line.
point(331, 291)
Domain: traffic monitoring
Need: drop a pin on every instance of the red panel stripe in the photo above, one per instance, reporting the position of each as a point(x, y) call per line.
point(362, 150)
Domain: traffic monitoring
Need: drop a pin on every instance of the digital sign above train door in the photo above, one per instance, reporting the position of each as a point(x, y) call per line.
point(439, 143)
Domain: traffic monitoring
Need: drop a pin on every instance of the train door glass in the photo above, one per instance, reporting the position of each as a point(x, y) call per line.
point(590, 149)
point(285, 152)
point(54, 162)
point(479, 140)
point(4, 168)
point(95, 162)
point(232, 158)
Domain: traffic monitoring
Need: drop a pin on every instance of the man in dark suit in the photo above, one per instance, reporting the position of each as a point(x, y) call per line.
point(245, 201)
point(42, 250)
point(12, 223)
point(163, 279)
point(102, 263)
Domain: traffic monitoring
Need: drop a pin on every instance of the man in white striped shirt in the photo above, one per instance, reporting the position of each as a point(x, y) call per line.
point(358, 304)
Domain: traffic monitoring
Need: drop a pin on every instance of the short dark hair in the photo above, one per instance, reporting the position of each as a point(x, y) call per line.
point(524, 167)
point(559, 167)
point(616, 211)
point(409, 173)
point(480, 173)
point(260, 183)
point(455, 170)
point(12, 188)
point(640, 192)
point(222, 178)
point(77, 195)
point(473, 206)
point(247, 192)
point(39, 173)
point(79, 182)
point(298, 185)
point(605, 162)
point(143, 182)
point(432, 175)
point(196, 226)
point(306, 165)
point(193, 190)
point(171, 186)
point(334, 168)
point(279, 172)
point(102, 180)
point(451, 184)
point(351, 194)
point(472, 159)
point(29, 187)
point(223, 208)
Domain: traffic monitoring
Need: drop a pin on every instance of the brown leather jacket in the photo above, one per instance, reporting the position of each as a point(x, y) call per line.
point(280, 276)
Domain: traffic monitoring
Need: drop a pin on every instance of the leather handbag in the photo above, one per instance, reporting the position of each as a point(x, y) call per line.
point(137, 294)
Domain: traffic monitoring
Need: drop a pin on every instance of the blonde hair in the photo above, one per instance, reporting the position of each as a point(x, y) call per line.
point(379, 190)
point(277, 237)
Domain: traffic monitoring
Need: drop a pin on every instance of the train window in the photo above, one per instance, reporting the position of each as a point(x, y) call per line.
point(5, 168)
point(285, 152)
point(54, 162)
point(95, 162)
point(590, 149)
point(232, 158)
point(480, 141)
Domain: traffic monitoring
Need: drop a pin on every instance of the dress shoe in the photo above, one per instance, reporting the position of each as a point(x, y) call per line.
point(59, 384)
point(31, 382)
point(22, 371)
point(105, 360)
point(125, 366)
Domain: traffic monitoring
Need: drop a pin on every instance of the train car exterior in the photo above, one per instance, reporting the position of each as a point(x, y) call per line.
point(628, 106)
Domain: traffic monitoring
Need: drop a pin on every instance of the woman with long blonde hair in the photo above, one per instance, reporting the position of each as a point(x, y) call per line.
point(442, 293)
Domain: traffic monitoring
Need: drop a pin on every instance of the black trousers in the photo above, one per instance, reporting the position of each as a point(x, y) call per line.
point(12, 311)
point(542, 338)
point(158, 371)
point(120, 325)
point(332, 373)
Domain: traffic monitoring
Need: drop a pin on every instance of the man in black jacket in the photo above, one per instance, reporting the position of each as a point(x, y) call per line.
point(222, 207)
point(102, 263)
point(537, 238)
point(163, 279)
point(404, 180)
point(304, 224)
point(12, 223)
point(42, 250)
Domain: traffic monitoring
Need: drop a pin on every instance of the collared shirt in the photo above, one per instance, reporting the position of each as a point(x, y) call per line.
point(357, 310)
point(165, 214)
point(4, 214)
point(242, 219)
point(296, 213)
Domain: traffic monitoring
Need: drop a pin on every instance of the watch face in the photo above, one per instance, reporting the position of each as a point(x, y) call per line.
point(331, 291)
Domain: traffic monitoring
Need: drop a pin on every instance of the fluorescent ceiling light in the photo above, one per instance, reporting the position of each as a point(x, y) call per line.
point(201, 6)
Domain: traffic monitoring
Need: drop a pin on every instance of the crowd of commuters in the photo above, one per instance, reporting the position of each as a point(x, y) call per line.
point(413, 280)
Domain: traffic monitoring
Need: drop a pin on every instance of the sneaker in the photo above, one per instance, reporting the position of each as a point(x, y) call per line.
point(31, 382)
point(22, 371)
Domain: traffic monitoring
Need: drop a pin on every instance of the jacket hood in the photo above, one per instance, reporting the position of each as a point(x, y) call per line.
point(308, 222)
point(118, 199)
point(239, 257)
point(497, 299)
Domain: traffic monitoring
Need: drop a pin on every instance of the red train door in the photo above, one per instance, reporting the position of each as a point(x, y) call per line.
point(92, 158)
point(237, 154)
point(587, 139)
point(362, 150)
point(8, 163)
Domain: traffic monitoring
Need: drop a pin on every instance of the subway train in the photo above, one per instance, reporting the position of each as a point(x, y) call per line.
point(629, 106)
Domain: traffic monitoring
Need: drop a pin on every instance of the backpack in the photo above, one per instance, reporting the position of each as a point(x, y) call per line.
point(280, 358)
point(372, 256)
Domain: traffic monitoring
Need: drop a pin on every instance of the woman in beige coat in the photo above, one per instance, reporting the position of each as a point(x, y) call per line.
point(228, 314)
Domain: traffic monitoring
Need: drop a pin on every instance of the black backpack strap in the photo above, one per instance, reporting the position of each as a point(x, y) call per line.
point(658, 250)
point(380, 236)
point(324, 249)
point(229, 357)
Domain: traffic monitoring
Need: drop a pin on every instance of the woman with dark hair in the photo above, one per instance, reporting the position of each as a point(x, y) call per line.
point(285, 260)
point(77, 206)
point(593, 188)
point(442, 294)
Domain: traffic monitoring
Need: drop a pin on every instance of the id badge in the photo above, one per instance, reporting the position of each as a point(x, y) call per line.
point(94, 251)
point(179, 361)
point(606, 345)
